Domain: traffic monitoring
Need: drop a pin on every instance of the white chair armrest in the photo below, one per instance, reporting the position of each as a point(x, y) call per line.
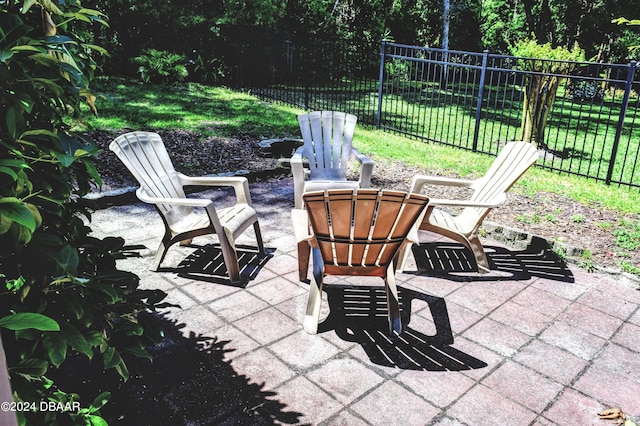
point(297, 163)
point(500, 199)
point(366, 168)
point(240, 184)
point(188, 202)
point(421, 180)
point(298, 172)
point(301, 228)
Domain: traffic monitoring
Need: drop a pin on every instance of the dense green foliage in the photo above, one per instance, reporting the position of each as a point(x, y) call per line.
point(560, 23)
point(63, 292)
point(157, 66)
point(210, 32)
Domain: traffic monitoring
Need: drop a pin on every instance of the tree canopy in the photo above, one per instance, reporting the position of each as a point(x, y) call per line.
point(200, 29)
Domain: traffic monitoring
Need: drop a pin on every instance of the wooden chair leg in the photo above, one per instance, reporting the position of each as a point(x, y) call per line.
point(393, 302)
point(312, 316)
point(304, 251)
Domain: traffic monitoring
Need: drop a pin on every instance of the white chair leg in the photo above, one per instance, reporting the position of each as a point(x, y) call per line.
point(256, 229)
point(230, 257)
point(160, 254)
point(393, 302)
point(401, 258)
point(478, 252)
point(312, 316)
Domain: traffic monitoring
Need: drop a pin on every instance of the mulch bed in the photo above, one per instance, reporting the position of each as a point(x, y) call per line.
point(547, 215)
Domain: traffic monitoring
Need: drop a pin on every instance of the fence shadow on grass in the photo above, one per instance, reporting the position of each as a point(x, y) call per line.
point(455, 262)
point(188, 382)
point(359, 314)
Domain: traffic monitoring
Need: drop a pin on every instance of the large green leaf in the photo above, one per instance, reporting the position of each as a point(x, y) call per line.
point(31, 367)
point(74, 304)
point(11, 121)
point(9, 171)
point(68, 259)
point(99, 402)
point(76, 340)
point(111, 358)
point(93, 420)
point(26, 5)
point(139, 352)
point(5, 55)
point(52, 7)
point(18, 212)
point(56, 346)
point(26, 48)
point(26, 320)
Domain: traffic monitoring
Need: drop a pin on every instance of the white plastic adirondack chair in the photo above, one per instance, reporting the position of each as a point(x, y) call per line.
point(147, 159)
point(328, 147)
point(489, 191)
point(355, 232)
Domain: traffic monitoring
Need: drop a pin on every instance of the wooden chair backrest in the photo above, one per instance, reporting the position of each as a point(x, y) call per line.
point(360, 231)
point(327, 136)
point(146, 157)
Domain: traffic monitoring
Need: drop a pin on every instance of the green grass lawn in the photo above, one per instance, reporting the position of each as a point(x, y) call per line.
point(583, 131)
point(219, 111)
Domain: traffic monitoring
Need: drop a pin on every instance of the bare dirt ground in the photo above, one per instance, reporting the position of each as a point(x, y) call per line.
point(547, 215)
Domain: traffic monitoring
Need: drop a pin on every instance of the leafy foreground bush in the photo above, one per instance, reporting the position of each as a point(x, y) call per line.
point(64, 294)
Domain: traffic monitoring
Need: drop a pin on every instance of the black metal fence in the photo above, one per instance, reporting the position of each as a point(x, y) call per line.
point(474, 101)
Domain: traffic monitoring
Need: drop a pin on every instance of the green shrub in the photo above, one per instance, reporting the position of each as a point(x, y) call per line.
point(63, 292)
point(161, 67)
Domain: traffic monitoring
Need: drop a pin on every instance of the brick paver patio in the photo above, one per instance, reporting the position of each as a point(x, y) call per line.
point(533, 342)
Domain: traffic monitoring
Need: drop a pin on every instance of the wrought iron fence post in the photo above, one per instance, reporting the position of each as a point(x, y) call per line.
point(380, 81)
point(483, 71)
point(620, 125)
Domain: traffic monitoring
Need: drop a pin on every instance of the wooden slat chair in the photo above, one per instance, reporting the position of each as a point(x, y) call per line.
point(357, 232)
point(328, 137)
point(489, 191)
point(147, 159)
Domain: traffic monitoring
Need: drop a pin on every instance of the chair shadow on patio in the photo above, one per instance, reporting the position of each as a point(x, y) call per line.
point(190, 381)
point(359, 314)
point(207, 264)
point(455, 262)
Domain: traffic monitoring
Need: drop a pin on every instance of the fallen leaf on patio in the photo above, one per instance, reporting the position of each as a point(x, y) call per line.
point(612, 413)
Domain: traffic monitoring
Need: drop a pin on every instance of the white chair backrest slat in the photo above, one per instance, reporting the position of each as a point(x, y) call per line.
point(147, 159)
point(327, 139)
point(512, 162)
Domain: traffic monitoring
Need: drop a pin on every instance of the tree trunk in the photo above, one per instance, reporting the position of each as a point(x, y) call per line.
point(539, 96)
point(446, 20)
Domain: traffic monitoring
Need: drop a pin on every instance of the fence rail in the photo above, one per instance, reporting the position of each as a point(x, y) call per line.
point(473, 101)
